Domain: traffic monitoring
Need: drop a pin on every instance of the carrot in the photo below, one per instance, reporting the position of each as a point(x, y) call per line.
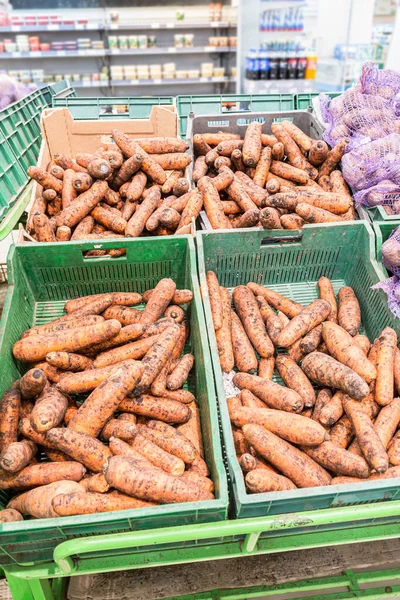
point(338, 460)
point(200, 169)
point(391, 473)
point(249, 313)
point(274, 395)
point(278, 151)
point(224, 178)
point(238, 193)
point(293, 463)
point(17, 455)
point(176, 313)
point(56, 171)
point(396, 370)
point(212, 204)
point(341, 347)
point(49, 410)
point(39, 206)
point(36, 347)
point(303, 141)
point(38, 502)
point(326, 371)
point(114, 158)
point(248, 400)
point(109, 219)
point(312, 214)
point(124, 314)
point(68, 163)
point(99, 407)
point(259, 481)
point(171, 440)
point(126, 475)
point(201, 148)
point(96, 305)
point(63, 234)
point(292, 222)
point(132, 350)
point(43, 230)
point(272, 322)
point(311, 340)
point(162, 145)
point(211, 157)
point(281, 303)
point(292, 150)
point(46, 180)
point(323, 399)
point(136, 187)
point(341, 433)
point(169, 218)
point(181, 372)
point(250, 218)
point(266, 368)
point(138, 220)
point(120, 448)
point(99, 168)
point(273, 185)
point(157, 356)
point(204, 482)
point(337, 204)
point(362, 342)
point(324, 183)
point(262, 167)
point(270, 218)
point(286, 171)
point(225, 148)
point(333, 158)
point(32, 383)
point(349, 314)
point(387, 422)
point(305, 321)
point(163, 409)
point(332, 410)
point(170, 181)
point(83, 205)
point(180, 187)
point(86, 503)
point(159, 299)
point(252, 145)
point(326, 293)
point(244, 355)
point(130, 147)
point(170, 162)
point(213, 139)
point(85, 227)
point(53, 210)
point(48, 195)
point(68, 361)
point(179, 297)
point(42, 474)
point(9, 415)
point(9, 515)
point(268, 139)
point(237, 161)
point(191, 429)
point(385, 353)
point(81, 447)
point(70, 412)
point(288, 426)
point(144, 444)
point(295, 379)
point(318, 152)
point(369, 441)
point(247, 462)
point(224, 334)
point(394, 450)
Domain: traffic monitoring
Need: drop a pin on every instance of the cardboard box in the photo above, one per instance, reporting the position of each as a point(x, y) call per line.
point(61, 133)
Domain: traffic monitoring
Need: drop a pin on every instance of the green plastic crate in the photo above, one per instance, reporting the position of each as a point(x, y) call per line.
point(219, 104)
point(345, 253)
point(20, 139)
point(100, 108)
point(304, 101)
point(42, 277)
point(378, 213)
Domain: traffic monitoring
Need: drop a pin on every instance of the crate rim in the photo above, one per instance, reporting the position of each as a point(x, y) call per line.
point(235, 473)
point(221, 503)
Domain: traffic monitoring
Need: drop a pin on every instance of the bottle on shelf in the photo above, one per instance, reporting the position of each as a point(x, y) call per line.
point(252, 65)
point(282, 60)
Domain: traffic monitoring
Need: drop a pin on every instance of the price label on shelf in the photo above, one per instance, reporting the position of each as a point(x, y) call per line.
point(114, 26)
point(16, 54)
point(170, 25)
point(172, 50)
point(134, 81)
point(36, 53)
point(53, 27)
point(82, 53)
point(86, 84)
point(215, 24)
point(15, 28)
point(157, 81)
point(155, 25)
point(210, 49)
point(203, 79)
point(61, 53)
point(79, 26)
point(115, 51)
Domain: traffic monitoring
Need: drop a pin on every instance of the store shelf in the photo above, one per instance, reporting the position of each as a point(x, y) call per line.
point(172, 25)
point(171, 50)
point(277, 5)
point(117, 27)
point(54, 54)
point(185, 81)
point(90, 84)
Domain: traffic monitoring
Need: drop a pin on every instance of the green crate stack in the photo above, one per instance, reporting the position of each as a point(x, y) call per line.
point(220, 104)
point(100, 108)
point(304, 101)
point(382, 232)
point(346, 254)
point(41, 278)
point(20, 139)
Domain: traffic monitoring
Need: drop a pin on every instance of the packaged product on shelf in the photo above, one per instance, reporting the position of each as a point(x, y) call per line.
point(181, 74)
point(218, 72)
point(123, 42)
point(142, 41)
point(151, 41)
point(112, 41)
point(189, 37)
point(193, 73)
point(206, 69)
point(133, 41)
point(179, 40)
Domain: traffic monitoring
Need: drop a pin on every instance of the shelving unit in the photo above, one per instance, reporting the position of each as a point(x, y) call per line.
point(94, 60)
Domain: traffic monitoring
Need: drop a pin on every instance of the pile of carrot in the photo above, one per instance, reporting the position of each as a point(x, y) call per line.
point(336, 418)
point(281, 180)
point(131, 188)
point(135, 441)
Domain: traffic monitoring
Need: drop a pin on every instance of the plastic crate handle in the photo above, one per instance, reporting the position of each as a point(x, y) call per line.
point(276, 237)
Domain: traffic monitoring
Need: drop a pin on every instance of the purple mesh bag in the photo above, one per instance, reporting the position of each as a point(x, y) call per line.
point(391, 252)
point(385, 193)
point(358, 115)
point(391, 287)
point(369, 164)
point(384, 83)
